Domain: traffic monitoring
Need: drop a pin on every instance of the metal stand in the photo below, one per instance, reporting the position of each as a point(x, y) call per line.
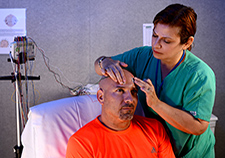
point(18, 148)
point(17, 77)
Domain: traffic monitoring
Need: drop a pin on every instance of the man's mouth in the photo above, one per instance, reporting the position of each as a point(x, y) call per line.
point(128, 107)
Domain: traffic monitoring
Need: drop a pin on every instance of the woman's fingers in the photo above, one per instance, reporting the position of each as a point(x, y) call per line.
point(123, 64)
point(119, 74)
point(145, 85)
point(114, 70)
point(148, 88)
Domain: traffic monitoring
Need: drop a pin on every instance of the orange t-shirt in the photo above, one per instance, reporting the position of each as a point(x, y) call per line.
point(145, 137)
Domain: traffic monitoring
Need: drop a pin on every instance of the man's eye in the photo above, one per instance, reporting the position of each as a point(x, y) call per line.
point(134, 92)
point(120, 90)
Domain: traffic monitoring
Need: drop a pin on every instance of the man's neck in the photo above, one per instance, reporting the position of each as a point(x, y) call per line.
point(114, 126)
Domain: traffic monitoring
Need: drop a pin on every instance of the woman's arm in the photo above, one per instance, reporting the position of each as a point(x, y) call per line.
point(98, 65)
point(179, 119)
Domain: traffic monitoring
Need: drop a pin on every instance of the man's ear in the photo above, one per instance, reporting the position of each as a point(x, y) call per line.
point(100, 95)
point(189, 42)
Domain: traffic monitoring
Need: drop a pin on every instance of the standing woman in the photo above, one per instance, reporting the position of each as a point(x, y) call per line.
point(176, 87)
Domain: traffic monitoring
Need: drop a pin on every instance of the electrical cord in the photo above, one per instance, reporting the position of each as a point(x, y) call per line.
point(78, 90)
point(46, 61)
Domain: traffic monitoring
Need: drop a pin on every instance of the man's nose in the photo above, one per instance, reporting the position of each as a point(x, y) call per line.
point(128, 97)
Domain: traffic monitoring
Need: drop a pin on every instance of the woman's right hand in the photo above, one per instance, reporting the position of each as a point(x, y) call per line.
point(111, 68)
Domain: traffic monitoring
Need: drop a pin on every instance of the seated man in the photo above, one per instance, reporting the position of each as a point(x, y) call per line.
point(117, 132)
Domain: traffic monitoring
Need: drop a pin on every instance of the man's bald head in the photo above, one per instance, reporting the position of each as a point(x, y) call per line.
point(106, 79)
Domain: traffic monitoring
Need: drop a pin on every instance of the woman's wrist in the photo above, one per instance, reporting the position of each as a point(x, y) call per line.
point(100, 62)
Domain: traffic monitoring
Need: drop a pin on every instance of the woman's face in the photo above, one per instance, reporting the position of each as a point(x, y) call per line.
point(166, 43)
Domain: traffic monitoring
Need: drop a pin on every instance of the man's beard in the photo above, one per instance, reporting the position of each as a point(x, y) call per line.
point(128, 115)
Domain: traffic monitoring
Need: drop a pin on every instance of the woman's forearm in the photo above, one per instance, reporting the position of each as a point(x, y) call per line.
point(180, 119)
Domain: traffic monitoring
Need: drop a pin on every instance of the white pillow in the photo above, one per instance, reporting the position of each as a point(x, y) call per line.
point(51, 124)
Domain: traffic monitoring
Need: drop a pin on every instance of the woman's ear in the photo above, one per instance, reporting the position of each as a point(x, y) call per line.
point(100, 95)
point(189, 42)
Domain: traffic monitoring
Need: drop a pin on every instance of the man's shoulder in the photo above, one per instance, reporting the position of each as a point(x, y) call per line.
point(146, 120)
point(87, 128)
point(150, 125)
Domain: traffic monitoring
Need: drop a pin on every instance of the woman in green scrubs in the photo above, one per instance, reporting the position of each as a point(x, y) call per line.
point(176, 87)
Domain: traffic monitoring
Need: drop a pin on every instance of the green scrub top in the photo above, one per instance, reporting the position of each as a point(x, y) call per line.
point(189, 87)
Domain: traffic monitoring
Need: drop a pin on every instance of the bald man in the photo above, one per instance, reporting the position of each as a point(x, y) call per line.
point(117, 132)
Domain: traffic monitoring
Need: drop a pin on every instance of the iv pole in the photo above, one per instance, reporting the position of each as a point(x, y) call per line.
point(17, 77)
point(18, 148)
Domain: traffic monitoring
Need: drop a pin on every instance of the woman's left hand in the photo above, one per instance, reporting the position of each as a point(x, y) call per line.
point(147, 87)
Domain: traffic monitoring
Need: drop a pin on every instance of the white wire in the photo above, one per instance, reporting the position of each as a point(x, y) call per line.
point(77, 83)
point(55, 74)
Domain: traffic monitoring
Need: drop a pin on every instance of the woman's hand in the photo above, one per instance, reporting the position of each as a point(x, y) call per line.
point(111, 68)
point(147, 87)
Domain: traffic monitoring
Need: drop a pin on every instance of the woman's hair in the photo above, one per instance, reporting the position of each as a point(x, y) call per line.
point(178, 15)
